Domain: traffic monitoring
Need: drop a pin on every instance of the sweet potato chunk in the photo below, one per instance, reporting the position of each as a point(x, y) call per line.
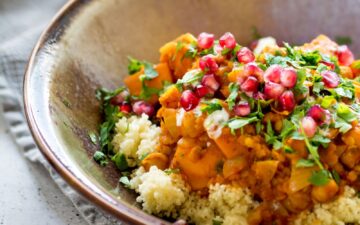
point(134, 83)
point(198, 170)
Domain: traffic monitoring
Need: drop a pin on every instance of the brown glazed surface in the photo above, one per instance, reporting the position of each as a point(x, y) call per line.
point(87, 44)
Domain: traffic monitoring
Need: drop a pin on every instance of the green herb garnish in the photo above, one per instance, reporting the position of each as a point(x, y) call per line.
point(234, 91)
point(100, 158)
point(120, 161)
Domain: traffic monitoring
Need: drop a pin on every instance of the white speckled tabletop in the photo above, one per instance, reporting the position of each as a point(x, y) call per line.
point(28, 194)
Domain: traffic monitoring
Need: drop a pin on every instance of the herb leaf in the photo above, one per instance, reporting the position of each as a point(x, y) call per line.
point(100, 158)
point(239, 122)
point(125, 181)
point(211, 106)
point(305, 163)
point(234, 91)
point(134, 65)
point(120, 161)
point(320, 178)
point(170, 171)
point(93, 137)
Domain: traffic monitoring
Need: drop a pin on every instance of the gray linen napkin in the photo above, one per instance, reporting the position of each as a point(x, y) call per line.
point(21, 22)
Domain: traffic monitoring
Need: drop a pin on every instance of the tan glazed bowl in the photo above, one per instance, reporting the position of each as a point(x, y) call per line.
point(86, 47)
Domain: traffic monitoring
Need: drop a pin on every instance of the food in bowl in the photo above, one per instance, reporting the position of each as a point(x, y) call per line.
point(218, 133)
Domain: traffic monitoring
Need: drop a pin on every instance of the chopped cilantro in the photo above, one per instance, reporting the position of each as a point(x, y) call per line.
point(93, 137)
point(336, 176)
point(289, 150)
point(345, 112)
point(239, 122)
point(149, 71)
point(255, 33)
point(134, 65)
point(287, 128)
point(327, 101)
point(234, 91)
point(305, 163)
point(342, 125)
point(311, 58)
point(271, 138)
point(320, 178)
point(211, 106)
point(343, 40)
point(120, 161)
point(192, 50)
point(216, 222)
point(125, 181)
point(170, 171)
point(190, 77)
point(179, 46)
point(100, 158)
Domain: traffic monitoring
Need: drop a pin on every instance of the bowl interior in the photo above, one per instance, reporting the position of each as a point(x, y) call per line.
point(87, 47)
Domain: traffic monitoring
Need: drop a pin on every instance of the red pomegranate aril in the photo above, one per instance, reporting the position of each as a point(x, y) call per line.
point(320, 115)
point(208, 64)
point(273, 74)
point(242, 109)
point(308, 126)
point(141, 107)
point(287, 101)
point(125, 107)
point(330, 79)
point(189, 100)
point(253, 69)
point(245, 55)
point(120, 98)
point(202, 91)
point(273, 90)
point(227, 41)
point(210, 81)
point(251, 84)
point(205, 40)
point(288, 77)
point(345, 56)
point(329, 64)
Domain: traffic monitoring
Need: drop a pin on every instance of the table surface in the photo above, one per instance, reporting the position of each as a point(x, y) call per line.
point(28, 194)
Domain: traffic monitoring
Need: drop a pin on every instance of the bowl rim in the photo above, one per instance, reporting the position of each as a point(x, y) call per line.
point(120, 210)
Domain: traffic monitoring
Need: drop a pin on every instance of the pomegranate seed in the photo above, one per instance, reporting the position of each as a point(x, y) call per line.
point(125, 107)
point(242, 109)
point(345, 56)
point(245, 55)
point(273, 74)
point(189, 100)
point(141, 107)
point(227, 41)
point(273, 90)
point(330, 79)
point(210, 81)
point(320, 115)
point(208, 64)
point(253, 69)
point(329, 64)
point(288, 77)
point(250, 84)
point(120, 98)
point(202, 91)
point(309, 126)
point(205, 40)
point(287, 101)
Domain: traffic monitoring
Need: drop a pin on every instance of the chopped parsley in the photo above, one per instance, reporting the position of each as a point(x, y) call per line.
point(93, 137)
point(211, 106)
point(125, 181)
point(134, 65)
point(320, 177)
point(234, 92)
point(100, 158)
point(305, 163)
point(239, 122)
point(120, 161)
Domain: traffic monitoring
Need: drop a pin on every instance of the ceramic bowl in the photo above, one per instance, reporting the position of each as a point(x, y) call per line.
point(86, 47)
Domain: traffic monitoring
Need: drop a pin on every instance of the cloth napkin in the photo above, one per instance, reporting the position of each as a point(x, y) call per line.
point(21, 22)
